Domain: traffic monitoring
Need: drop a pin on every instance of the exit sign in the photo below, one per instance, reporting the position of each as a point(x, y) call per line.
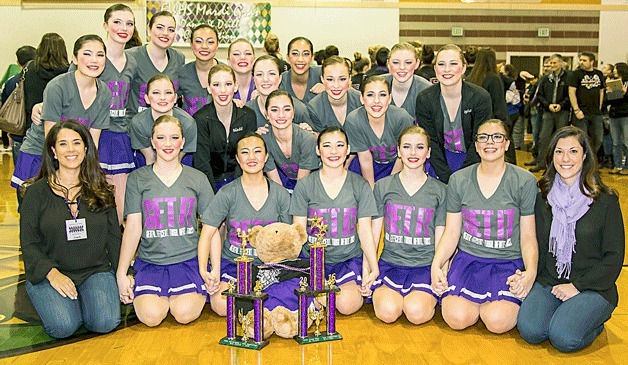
point(457, 32)
point(544, 33)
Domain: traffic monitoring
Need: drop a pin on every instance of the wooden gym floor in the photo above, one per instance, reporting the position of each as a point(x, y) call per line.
point(366, 339)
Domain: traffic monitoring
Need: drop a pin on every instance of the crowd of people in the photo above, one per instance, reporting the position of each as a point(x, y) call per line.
point(138, 171)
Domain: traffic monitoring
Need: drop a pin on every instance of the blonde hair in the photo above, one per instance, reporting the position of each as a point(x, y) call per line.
point(404, 46)
point(452, 47)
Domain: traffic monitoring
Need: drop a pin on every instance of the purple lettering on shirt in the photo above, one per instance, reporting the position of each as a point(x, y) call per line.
point(453, 140)
point(187, 215)
point(423, 220)
point(143, 90)
point(119, 94)
point(349, 220)
point(383, 153)
point(243, 225)
point(83, 121)
point(505, 223)
point(194, 103)
point(151, 214)
point(291, 170)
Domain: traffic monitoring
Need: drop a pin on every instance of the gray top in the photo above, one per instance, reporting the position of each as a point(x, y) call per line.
point(490, 227)
point(119, 84)
point(355, 200)
point(141, 127)
point(418, 84)
point(362, 138)
point(409, 220)
point(313, 78)
point(145, 71)
point(233, 207)
point(303, 153)
point(453, 132)
point(301, 114)
point(195, 96)
point(62, 101)
point(323, 115)
point(169, 225)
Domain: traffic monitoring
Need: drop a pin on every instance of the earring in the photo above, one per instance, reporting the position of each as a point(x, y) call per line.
point(55, 156)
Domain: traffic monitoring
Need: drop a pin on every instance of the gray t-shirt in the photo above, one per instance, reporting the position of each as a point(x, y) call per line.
point(313, 78)
point(490, 227)
point(141, 127)
point(355, 200)
point(409, 220)
point(233, 207)
point(452, 130)
point(169, 225)
point(362, 138)
point(322, 114)
point(195, 96)
point(418, 84)
point(62, 101)
point(301, 114)
point(303, 153)
point(119, 83)
point(145, 71)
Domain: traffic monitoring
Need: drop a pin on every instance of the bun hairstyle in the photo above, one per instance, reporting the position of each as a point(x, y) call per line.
point(359, 62)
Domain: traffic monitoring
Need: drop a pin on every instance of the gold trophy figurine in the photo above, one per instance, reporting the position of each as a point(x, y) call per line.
point(331, 282)
point(231, 285)
point(258, 288)
point(244, 236)
point(303, 284)
point(317, 316)
point(245, 321)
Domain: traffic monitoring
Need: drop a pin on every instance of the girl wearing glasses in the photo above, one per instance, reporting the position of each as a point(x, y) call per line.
point(490, 220)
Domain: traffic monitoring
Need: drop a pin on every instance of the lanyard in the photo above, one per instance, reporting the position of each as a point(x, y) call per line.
point(69, 203)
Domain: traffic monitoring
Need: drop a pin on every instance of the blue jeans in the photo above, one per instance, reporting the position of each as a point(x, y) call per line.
point(550, 123)
point(570, 326)
point(619, 134)
point(593, 125)
point(97, 307)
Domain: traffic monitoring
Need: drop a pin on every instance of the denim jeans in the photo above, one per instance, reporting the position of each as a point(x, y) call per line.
point(535, 122)
point(97, 306)
point(550, 123)
point(593, 125)
point(619, 134)
point(570, 326)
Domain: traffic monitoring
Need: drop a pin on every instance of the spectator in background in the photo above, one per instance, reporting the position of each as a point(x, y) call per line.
point(470, 53)
point(360, 66)
point(379, 67)
point(271, 47)
point(331, 50)
point(23, 54)
point(426, 70)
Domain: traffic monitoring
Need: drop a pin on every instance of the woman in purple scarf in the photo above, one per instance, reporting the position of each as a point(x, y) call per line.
point(580, 232)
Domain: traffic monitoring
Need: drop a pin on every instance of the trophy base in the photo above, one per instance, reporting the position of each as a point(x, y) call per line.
point(311, 338)
point(237, 342)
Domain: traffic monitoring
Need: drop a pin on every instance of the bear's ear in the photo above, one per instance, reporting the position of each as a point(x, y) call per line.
point(253, 232)
point(301, 232)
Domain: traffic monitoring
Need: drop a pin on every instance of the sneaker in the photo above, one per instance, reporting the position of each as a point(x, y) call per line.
point(539, 169)
point(623, 172)
point(615, 171)
point(530, 163)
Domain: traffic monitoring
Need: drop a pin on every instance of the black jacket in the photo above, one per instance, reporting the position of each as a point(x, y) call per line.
point(476, 107)
point(215, 153)
point(546, 86)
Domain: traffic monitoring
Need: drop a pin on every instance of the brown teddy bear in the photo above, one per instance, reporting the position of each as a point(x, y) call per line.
point(278, 246)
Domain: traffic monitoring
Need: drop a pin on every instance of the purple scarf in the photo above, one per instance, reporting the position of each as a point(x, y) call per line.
point(568, 204)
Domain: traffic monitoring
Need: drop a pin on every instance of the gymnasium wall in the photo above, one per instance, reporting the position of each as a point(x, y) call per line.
point(504, 30)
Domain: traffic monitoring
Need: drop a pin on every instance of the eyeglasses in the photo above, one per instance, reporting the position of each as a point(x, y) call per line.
point(496, 137)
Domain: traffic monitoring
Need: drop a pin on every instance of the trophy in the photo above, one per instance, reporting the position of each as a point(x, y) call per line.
point(240, 289)
point(318, 286)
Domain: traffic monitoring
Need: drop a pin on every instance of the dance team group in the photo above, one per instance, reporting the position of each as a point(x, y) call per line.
point(421, 165)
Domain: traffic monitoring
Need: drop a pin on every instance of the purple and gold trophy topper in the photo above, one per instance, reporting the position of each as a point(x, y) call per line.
point(243, 292)
point(317, 287)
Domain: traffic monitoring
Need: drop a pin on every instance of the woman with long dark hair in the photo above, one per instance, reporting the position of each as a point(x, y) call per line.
point(70, 236)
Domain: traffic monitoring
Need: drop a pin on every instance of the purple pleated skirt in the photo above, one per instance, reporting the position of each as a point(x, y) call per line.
point(168, 280)
point(379, 170)
point(26, 167)
point(480, 279)
point(403, 279)
point(116, 154)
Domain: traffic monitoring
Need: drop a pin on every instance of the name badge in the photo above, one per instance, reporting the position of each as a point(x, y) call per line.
point(76, 229)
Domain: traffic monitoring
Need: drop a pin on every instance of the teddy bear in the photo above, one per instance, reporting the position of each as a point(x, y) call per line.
point(278, 246)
